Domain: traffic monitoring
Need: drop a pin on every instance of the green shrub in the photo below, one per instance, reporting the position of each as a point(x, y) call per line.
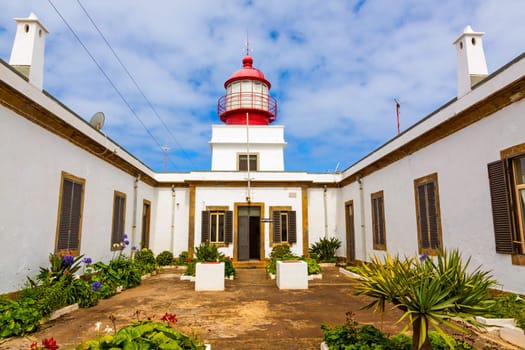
point(399, 342)
point(279, 251)
point(430, 291)
point(18, 318)
point(208, 252)
point(145, 261)
point(165, 258)
point(182, 259)
point(508, 306)
point(85, 294)
point(50, 297)
point(144, 335)
point(324, 250)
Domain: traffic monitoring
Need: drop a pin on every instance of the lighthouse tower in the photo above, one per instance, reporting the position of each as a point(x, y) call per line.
point(246, 141)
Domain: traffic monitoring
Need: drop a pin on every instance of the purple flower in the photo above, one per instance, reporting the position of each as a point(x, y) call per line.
point(87, 261)
point(96, 285)
point(126, 242)
point(134, 248)
point(67, 260)
point(124, 236)
point(423, 257)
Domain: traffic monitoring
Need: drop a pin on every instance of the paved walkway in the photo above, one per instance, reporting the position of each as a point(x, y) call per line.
point(252, 313)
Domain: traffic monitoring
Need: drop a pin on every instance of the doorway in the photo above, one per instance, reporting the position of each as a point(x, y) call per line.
point(249, 233)
point(350, 231)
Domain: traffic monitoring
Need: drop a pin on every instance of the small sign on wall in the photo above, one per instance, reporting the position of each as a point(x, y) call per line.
point(292, 195)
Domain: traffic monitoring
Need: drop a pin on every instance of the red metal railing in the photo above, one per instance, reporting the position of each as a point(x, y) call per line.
point(248, 100)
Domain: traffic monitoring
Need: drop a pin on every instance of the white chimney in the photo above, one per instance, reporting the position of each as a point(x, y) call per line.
point(27, 55)
point(472, 66)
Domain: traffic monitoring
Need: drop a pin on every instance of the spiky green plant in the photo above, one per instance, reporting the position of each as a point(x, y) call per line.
point(429, 291)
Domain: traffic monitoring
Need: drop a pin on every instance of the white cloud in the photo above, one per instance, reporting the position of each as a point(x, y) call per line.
point(335, 66)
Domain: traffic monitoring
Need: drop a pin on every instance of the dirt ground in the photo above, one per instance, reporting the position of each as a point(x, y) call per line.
point(252, 313)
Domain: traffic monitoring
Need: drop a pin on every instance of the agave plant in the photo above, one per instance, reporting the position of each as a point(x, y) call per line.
point(429, 291)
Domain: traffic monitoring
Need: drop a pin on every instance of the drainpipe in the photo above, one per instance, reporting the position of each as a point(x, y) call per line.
point(362, 212)
point(134, 218)
point(172, 231)
point(325, 213)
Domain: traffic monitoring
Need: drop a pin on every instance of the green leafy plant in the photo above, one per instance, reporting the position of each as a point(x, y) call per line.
point(165, 258)
point(62, 266)
point(145, 261)
point(207, 252)
point(283, 252)
point(280, 251)
point(429, 292)
point(508, 306)
point(18, 317)
point(183, 258)
point(324, 250)
point(144, 335)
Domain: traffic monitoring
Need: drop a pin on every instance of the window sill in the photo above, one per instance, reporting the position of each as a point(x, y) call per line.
point(220, 244)
point(518, 259)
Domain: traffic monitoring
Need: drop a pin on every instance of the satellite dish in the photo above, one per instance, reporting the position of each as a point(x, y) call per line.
point(97, 120)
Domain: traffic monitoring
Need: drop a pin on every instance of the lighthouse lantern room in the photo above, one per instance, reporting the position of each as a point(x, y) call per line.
point(247, 91)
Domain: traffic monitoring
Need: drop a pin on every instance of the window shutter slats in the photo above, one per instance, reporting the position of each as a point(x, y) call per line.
point(205, 226)
point(501, 208)
point(423, 216)
point(432, 216)
point(292, 227)
point(65, 215)
point(228, 226)
point(75, 216)
point(276, 226)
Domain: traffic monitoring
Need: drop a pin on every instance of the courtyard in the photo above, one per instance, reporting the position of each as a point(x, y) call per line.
point(252, 313)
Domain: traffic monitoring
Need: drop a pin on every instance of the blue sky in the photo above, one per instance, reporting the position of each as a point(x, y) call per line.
point(335, 67)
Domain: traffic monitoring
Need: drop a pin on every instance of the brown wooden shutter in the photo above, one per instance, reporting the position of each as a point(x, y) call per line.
point(205, 226)
point(70, 216)
point(381, 221)
point(423, 217)
point(501, 207)
point(276, 226)
point(228, 226)
point(292, 227)
point(432, 215)
point(119, 204)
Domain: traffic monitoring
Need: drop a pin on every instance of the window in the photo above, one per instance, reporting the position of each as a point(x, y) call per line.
point(217, 225)
point(71, 202)
point(378, 221)
point(283, 226)
point(119, 219)
point(428, 215)
point(507, 191)
point(243, 162)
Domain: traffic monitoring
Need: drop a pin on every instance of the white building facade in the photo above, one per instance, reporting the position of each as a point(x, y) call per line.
point(453, 180)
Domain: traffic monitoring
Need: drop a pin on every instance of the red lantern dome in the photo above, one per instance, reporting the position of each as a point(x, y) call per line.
point(247, 91)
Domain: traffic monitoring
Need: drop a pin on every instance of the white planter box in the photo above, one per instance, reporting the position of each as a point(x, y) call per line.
point(292, 274)
point(209, 276)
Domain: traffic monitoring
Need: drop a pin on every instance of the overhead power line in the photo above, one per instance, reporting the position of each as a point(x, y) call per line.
point(107, 77)
point(134, 81)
